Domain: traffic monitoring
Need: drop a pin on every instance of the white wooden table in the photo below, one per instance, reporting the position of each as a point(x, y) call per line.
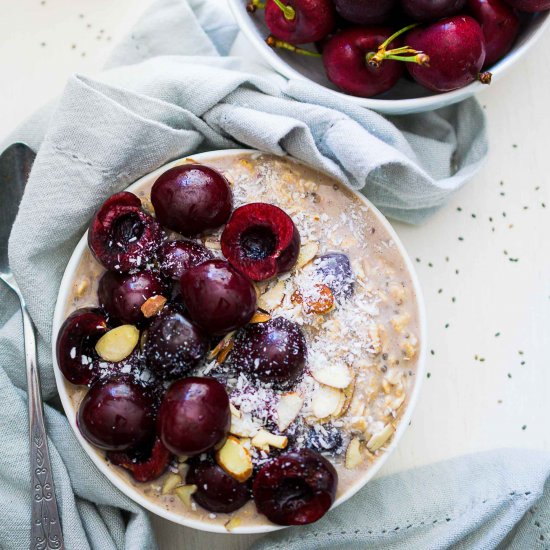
point(483, 261)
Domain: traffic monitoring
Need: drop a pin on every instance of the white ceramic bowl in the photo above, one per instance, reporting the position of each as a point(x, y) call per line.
point(406, 97)
point(65, 291)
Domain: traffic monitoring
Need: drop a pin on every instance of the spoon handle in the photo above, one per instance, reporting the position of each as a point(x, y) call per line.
point(46, 533)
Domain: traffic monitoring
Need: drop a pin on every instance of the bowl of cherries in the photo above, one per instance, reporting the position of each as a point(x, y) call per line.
point(195, 376)
point(393, 56)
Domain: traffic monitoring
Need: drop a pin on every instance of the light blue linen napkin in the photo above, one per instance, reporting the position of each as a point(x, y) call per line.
point(170, 92)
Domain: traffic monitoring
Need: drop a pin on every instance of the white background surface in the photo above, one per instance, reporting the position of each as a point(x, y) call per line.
point(464, 252)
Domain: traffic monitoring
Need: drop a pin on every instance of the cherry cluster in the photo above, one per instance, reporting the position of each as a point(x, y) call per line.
point(366, 47)
point(163, 302)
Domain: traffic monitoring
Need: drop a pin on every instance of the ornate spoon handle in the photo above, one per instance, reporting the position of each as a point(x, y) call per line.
point(46, 531)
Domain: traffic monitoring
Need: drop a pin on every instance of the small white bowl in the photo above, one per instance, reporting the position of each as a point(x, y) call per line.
point(406, 97)
point(66, 289)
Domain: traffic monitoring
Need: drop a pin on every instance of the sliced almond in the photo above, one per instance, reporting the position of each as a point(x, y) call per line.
point(264, 440)
point(223, 349)
point(232, 524)
point(325, 401)
point(307, 252)
point(336, 375)
point(288, 408)
point(153, 305)
point(397, 402)
point(259, 317)
point(242, 427)
point(380, 438)
point(348, 394)
point(358, 424)
point(235, 459)
point(184, 493)
point(170, 483)
point(338, 412)
point(118, 343)
point(354, 456)
point(319, 300)
point(212, 243)
point(82, 287)
point(273, 298)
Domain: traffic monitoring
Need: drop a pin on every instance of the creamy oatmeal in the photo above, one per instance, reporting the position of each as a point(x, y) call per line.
point(361, 328)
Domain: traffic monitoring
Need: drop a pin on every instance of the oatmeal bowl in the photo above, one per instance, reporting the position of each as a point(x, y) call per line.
point(239, 341)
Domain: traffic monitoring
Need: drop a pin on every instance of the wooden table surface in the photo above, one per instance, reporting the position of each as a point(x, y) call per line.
point(483, 261)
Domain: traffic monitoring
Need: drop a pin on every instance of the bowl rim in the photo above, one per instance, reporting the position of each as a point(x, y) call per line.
point(388, 106)
point(66, 287)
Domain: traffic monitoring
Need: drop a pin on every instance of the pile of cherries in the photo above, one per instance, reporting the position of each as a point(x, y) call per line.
point(145, 422)
point(366, 45)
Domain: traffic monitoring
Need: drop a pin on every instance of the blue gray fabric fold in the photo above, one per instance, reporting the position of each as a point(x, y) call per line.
point(171, 90)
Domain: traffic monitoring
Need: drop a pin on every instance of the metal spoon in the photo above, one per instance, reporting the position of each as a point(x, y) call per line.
point(15, 165)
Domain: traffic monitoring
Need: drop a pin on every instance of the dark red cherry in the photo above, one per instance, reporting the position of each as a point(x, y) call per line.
point(300, 21)
point(143, 466)
point(295, 488)
point(194, 416)
point(192, 199)
point(261, 241)
point(175, 257)
point(530, 6)
point(174, 345)
point(500, 26)
point(122, 295)
point(334, 270)
point(217, 491)
point(219, 298)
point(122, 236)
point(117, 415)
point(76, 342)
point(431, 10)
point(346, 60)
point(456, 51)
point(373, 12)
point(274, 352)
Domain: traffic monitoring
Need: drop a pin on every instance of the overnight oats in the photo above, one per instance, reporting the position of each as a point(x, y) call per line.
point(241, 340)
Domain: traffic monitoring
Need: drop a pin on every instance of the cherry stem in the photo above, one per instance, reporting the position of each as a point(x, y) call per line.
point(254, 5)
point(420, 58)
point(374, 59)
point(288, 11)
point(276, 43)
point(395, 35)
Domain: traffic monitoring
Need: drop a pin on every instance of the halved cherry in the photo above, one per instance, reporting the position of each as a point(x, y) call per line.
point(144, 468)
point(261, 241)
point(122, 237)
point(76, 341)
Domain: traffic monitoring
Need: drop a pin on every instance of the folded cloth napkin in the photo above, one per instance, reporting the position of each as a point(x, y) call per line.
point(171, 91)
